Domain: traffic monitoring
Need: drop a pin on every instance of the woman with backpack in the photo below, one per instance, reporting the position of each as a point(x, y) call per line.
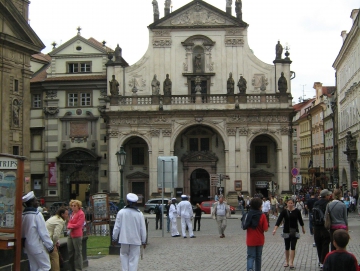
point(291, 217)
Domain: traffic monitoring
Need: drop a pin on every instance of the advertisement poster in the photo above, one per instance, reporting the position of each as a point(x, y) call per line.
point(52, 174)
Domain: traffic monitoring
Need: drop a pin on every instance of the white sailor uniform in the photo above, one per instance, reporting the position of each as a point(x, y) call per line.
point(186, 213)
point(173, 216)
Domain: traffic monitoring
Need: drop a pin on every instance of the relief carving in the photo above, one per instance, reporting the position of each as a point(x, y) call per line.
point(51, 110)
point(51, 94)
point(234, 41)
point(162, 42)
point(154, 133)
point(260, 81)
point(161, 33)
point(231, 132)
point(243, 131)
point(113, 133)
point(166, 133)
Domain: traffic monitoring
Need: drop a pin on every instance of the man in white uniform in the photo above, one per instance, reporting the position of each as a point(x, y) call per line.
point(173, 216)
point(37, 244)
point(185, 211)
point(266, 209)
point(130, 232)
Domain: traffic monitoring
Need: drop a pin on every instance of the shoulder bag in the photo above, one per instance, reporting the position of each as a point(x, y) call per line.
point(327, 223)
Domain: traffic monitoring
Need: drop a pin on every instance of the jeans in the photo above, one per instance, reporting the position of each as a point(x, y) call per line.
point(241, 208)
point(310, 223)
point(168, 223)
point(254, 256)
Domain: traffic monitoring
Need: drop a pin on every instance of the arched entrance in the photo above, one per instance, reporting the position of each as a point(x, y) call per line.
point(199, 186)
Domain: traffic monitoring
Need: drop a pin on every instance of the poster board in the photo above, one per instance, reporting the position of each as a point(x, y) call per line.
point(100, 208)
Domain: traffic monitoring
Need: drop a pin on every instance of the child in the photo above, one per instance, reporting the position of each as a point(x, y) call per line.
point(256, 224)
point(340, 259)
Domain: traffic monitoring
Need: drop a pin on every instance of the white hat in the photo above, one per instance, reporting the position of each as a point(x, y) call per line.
point(183, 196)
point(173, 199)
point(132, 197)
point(28, 196)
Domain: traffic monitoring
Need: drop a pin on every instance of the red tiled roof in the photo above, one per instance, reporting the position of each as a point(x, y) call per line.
point(39, 77)
point(99, 44)
point(42, 57)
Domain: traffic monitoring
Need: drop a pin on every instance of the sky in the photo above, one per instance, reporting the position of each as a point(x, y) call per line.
point(311, 29)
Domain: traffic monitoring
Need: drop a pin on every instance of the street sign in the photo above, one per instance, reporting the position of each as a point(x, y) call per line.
point(299, 179)
point(226, 177)
point(214, 182)
point(294, 171)
point(354, 184)
point(294, 181)
point(214, 177)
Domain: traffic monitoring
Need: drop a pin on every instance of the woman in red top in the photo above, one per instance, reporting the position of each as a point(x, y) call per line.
point(256, 224)
point(74, 243)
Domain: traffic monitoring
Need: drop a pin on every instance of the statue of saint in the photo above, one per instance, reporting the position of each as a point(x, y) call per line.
point(155, 85)
point(230, 84)
point(242, 85)
point(279, 50)
point(114, 86)
point(167, 3)
point(167, 86)
point(238, 7)
point(16, 113)
point(198, 63)
point(228, 3)
point(282, 84)
point(155, 7)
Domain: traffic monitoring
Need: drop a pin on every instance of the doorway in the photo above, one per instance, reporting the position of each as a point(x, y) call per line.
point(199, 186)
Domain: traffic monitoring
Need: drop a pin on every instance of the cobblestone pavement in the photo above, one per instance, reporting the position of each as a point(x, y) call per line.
point(208, 252)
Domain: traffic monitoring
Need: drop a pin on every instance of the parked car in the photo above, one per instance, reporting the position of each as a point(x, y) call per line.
point(206, 207)
point(151, 203)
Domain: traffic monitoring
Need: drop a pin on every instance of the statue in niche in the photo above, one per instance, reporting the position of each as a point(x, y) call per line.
point(278, 50)
point(350, 142)
point(242, 85)
point(155, 85)
point(198, 63)
point(167, 86)
point(230, 84)
point(114, 86)
point(238, 7)
point(16, 113)
point(228, 3)
point(167, 4)
point(282, 84)
point(155, 7)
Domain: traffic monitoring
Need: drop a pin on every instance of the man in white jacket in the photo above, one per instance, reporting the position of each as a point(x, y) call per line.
point(130, 232)
point(37, 241)
point(185, 211)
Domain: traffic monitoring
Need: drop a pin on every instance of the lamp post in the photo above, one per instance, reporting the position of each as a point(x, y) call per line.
point(121, 158)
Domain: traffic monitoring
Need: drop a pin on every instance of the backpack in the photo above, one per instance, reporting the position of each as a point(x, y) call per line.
point(157, 209)
point(243, 220)
point(318, 217)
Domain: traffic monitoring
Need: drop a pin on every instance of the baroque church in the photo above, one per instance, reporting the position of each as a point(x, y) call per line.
point(198, 93)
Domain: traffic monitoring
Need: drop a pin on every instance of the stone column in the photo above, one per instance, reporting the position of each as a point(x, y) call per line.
point(231, 163)
point(114, 173)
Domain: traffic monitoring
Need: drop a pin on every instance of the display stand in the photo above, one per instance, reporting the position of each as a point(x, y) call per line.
point(11, 185)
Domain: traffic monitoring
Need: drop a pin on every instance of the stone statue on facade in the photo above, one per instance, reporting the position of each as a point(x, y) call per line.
point(155, 85)
point(230, 84)
point(167, 4)
point(242, 85)
point(167, 86)
point(156, 10)
point(16, 113)
point(198, 63)
point(350, 142)
point(114, 86)
point(278, 50)
point(282, 84)
point(238, 9)
point(228, 3)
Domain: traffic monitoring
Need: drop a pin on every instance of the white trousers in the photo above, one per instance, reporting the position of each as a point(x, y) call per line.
point(174, 230)
point(129, 257)
point(184, 222)
point(39, 262)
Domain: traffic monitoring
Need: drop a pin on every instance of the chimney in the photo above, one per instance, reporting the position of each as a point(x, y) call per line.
point(353, 14)
point(343, 35)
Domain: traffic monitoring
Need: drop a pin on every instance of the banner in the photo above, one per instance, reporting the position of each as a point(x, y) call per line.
point(52, 174)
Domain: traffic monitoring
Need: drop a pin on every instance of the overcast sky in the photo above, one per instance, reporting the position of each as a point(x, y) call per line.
point(312, 29)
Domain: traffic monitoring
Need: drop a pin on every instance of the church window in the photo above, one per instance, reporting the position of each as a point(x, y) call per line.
point(16, 85)
point(261, 154)
point(79, 67)
point(199, 144)
point(137, 156)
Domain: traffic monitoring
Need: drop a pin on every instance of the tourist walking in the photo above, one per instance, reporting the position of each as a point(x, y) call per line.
point(220, 212)
point(35, 237)
point(130, 232)
point(291, 217)
point(198, 213)
point(74, 242)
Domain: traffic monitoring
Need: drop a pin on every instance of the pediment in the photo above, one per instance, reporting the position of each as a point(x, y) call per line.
point(197, 156)
point(71, 47)
point(198, 14)
point(261, 173)
point(137, 175)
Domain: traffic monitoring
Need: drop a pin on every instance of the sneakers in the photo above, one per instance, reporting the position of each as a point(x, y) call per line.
point(321, 266)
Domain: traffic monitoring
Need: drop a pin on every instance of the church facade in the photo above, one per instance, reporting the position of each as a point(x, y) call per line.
point(199, 93)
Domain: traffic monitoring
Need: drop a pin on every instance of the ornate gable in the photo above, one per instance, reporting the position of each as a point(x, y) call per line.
point(261, 173)
point(198, 14)
point(196, 156)
point(137, 175)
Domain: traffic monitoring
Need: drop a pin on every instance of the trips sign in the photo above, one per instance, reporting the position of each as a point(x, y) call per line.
point(8, 163)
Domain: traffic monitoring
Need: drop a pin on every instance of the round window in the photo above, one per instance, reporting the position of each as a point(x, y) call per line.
point(78, 48)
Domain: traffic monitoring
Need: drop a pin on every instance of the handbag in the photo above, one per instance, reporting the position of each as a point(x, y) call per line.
point(327, 223)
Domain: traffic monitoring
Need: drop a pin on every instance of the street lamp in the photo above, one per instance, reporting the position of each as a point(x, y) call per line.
point(121, 158)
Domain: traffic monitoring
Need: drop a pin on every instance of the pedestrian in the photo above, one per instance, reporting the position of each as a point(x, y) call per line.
point(340, 259)
point(338, 215)
point(74, 242)
point(198, 213)
point(130, 231)
point(221, 211)
point(266, 209)
point(167, 207)
point(255, 224)
point(241, 203)
point(247, 203)
point(300, 205)
point(216, 197)
point(35, 238)
point(273, 207)
point(291, 217)
point(173, 216)
point(281, 207)
point(321, 234)
point(185, 211)
point(159, 214)
point(55, 226)
point(309, 206)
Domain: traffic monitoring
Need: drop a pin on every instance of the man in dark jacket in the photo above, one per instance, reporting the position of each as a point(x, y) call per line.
point(309, 206)
point(321, 234)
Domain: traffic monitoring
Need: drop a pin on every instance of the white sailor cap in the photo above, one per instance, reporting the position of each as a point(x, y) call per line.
point(173, 199)
point(183, 196)
point(28, 196)
point(132, 197)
